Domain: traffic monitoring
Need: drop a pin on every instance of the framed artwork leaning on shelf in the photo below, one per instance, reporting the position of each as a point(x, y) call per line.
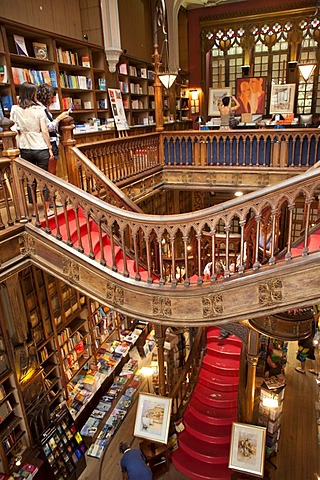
point(215, 95)
point(282, 98)
point(153, 418)
point(247, 449)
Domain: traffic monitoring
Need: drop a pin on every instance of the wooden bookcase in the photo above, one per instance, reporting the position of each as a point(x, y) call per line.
point(12, 426)
point(136, 85)
point(77, 70)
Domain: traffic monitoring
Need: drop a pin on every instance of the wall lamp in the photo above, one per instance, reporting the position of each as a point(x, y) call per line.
point(306, 70)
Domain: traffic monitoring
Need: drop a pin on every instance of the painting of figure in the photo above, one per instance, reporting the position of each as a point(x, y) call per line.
point(251, 94)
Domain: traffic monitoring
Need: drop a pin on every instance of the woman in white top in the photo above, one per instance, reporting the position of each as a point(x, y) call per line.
point(33, 136)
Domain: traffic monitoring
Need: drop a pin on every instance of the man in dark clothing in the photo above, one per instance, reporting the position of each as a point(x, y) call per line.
point(133, 464)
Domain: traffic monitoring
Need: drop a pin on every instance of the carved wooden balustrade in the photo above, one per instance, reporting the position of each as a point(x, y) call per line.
point(123, 158)
point(141, 237)
point(242, 148)
point(184, 386)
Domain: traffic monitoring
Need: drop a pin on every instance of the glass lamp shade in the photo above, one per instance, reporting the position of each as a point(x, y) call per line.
point(306, 70)
point(167, 78)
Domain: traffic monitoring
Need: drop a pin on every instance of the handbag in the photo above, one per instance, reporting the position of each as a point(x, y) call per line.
point(52, 165)
point(233, 122)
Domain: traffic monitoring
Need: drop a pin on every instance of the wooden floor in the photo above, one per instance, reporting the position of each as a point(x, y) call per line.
point(298, 456)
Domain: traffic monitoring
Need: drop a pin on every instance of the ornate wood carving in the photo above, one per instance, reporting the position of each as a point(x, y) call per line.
point(162, 307)
point(114, 294)
point(28, 245)
point(71, 269)
point(271, 292)
point(212, 305)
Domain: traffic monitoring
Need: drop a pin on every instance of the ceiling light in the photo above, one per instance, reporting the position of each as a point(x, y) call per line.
point(238, 194)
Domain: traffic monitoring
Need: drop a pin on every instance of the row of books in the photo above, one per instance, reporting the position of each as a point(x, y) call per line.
point(106, 403)
point(137, 105)
point(75, 81)
point(9, 441)
point(136, 88)
point(63, 447)
point(28, 471)
point(21, 75)
point(115, 418)
point(124, 87)
point(72, 58)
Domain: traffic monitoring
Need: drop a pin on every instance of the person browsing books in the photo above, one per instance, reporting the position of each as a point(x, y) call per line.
point(133, 464)
point(46, 97)
point(32, 133)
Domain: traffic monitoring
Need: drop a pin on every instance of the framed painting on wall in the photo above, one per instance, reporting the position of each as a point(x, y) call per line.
point(153, 418)
point(251, 94)
point(247, 449)
point(215, 96)
point(282, 98)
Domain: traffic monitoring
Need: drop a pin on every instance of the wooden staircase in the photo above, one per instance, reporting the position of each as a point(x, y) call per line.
point(203, 451)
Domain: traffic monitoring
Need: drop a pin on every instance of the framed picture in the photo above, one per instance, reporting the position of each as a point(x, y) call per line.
point(251, 94)
point(282, 98)
point(153, 417)
point(247, 449)
point(215, 95)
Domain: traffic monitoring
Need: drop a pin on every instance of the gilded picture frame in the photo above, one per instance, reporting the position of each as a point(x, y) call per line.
point(153, 418)
point(247, 449)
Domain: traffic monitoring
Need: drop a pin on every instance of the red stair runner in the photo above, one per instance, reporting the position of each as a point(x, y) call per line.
point(203, 452)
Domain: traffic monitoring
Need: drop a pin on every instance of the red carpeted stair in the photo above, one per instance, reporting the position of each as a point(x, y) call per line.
point(203, 452)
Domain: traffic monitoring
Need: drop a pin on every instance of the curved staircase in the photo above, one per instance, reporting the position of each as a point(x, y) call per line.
point(203, 452)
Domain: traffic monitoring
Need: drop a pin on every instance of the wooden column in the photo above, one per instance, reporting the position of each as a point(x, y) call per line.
point(159, 331)
point(252, 360)
point(157, 91)
point(67, 142)
point(11, 151)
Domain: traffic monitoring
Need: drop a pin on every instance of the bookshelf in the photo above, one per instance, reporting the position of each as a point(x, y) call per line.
point(76, 69)
point(136, 86)
point(12, 427)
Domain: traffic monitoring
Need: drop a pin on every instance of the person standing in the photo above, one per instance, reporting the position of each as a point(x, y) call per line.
point(133, 464)
point(46, 97)
point(32, 134)
point(227, 111)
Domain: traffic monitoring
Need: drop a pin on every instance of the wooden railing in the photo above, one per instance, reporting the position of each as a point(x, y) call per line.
point(154, 242)
point(123, 159)
point(242, 148)
point(183, 388)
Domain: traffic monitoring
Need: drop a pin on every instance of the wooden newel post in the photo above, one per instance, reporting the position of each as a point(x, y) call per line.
point(11, 151)
point(67, 142)
point(157, 91)
point(252, 361)
point(159, 331)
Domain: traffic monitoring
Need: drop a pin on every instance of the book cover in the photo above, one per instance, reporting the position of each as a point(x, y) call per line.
point(53, 78)
point(3, 74)
point(40, 50)
point(85, 61)
point(20, 45)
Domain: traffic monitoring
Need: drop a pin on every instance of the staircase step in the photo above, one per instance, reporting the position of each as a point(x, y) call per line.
point(203, 451)
point(210, 413)
point(214, 434)
point(219, 382)
point(215, 398)
point(222, 366)
point(224, 347)
point(214, 332)
point(198, 470)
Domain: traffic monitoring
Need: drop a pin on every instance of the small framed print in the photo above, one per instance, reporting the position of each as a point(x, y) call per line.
point(153, 417)
point(282, 98)
point(215, 96)
point(247, 449)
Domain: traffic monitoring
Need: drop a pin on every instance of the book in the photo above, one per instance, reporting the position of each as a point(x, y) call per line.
point(102, 84)
point(7, 102)
point(3, 74)
point(20, 45)
point(40, 50)
point(85, 61)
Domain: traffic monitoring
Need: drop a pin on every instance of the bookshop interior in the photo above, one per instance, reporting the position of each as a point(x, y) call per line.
point(169, 298)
